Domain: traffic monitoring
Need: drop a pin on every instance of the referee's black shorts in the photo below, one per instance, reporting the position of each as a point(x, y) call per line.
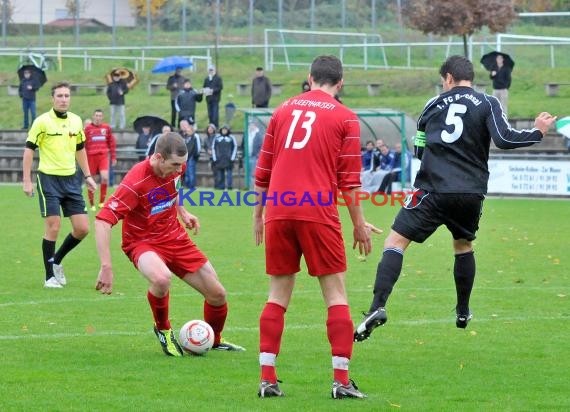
point(424, 212)
point(55, 192)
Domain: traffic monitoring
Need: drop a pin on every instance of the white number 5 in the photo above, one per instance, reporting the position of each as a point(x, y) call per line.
point(310, 119)
point(456, 121)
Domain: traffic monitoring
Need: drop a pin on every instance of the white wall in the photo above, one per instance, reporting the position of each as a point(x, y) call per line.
point(28, 11)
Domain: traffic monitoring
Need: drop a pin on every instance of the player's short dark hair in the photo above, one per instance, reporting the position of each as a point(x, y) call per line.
point(459, 67)
point(326, 70)
point(171, 143)
point(59, 85)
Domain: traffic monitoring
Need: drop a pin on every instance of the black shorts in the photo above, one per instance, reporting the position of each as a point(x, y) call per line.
point(55, 192)
point(424, 212)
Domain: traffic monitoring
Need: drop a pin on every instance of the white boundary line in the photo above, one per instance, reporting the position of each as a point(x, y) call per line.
point(413, 323)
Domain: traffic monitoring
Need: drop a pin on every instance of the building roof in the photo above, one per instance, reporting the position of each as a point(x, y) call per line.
point(63, 23)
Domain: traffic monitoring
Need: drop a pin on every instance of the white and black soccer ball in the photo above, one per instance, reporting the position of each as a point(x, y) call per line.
point(196, 337)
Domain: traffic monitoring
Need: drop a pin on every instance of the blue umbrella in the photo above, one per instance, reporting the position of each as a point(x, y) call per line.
point(171, 63)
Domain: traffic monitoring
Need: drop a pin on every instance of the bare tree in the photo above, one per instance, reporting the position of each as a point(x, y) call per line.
point(71, 6)
point(458, 17)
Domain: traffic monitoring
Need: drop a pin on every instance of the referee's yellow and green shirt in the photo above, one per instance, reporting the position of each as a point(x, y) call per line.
point(57, 140)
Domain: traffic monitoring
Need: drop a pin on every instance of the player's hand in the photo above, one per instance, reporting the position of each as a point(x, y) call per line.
point(28, 189)
point(544, 121)
point(362, 237)
point(91, 184)
point(190, 221)
point(258, 230)
point(105, 280)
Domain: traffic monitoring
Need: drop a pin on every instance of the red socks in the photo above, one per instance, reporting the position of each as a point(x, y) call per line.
point(103, 193)
point(271, 324)
point(215, 316)
point(340, 333)
point(159, 307)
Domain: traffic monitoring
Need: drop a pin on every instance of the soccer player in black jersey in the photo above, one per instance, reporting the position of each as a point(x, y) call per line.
point(454, 132)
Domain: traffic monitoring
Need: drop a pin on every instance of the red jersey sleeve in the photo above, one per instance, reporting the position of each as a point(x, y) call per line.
point(121, 202)
point(348, 171)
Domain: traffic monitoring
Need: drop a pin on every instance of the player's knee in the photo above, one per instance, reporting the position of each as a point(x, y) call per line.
point(216, 296)
point(161, 281)
point(81, 231)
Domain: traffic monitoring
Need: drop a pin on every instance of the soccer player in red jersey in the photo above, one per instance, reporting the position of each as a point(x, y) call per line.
point(157, 243)
point(99, 143)
point(311, 150)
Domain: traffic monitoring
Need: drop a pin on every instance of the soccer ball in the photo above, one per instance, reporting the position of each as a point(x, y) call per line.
point(196, 337)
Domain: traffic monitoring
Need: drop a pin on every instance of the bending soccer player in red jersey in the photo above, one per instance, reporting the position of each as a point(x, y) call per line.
point(311, 149)
point(99, 143)
point(157, 243)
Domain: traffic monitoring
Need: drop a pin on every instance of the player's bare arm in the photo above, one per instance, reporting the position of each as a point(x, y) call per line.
point(81, 157)
point(361, 229)
point(103, 241)
point(258, 220)
point(27, 171)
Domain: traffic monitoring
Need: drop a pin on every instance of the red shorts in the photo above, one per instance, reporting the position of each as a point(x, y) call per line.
point(181, 256)
point(98, 162)
point(321, 245)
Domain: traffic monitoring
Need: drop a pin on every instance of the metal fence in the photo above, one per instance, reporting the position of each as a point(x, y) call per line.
point(528, 51)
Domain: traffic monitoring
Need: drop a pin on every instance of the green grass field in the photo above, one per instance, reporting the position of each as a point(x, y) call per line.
point(74, 349)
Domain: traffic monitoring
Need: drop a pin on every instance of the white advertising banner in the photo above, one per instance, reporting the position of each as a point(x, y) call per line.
point(529, 177)
point(525, 177)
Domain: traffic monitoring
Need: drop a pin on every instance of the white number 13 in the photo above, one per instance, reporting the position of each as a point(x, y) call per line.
point(310, 118)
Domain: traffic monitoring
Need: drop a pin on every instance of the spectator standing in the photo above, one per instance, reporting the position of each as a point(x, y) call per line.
point(116, 91)
point(143, 141)
point(194, 148)
point(224, 152)
point(174, 84)
point(157, 244)
point(309, 149)
point(27, 92)
point(210, 135)
point(186, 102)
point(213, 85)
point(100, 144)
point(58, 134)
point(260, 89)
point(501, 82)
point(452, 183)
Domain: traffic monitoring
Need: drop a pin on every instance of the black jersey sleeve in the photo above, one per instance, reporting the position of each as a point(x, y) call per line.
point(503, 135)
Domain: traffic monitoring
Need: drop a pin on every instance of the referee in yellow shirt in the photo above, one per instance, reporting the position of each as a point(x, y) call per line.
point(59, 136)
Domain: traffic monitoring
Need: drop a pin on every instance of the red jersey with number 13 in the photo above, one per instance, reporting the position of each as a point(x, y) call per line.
point(310, 151)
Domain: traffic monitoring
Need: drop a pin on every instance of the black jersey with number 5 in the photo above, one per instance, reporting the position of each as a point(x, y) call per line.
point(458, 126)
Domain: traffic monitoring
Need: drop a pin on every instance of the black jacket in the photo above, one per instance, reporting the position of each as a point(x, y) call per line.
point(216, 84)
point(28, 93)
point(113, 92)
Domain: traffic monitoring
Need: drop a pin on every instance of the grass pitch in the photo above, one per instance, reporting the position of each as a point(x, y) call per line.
point(74, 349)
